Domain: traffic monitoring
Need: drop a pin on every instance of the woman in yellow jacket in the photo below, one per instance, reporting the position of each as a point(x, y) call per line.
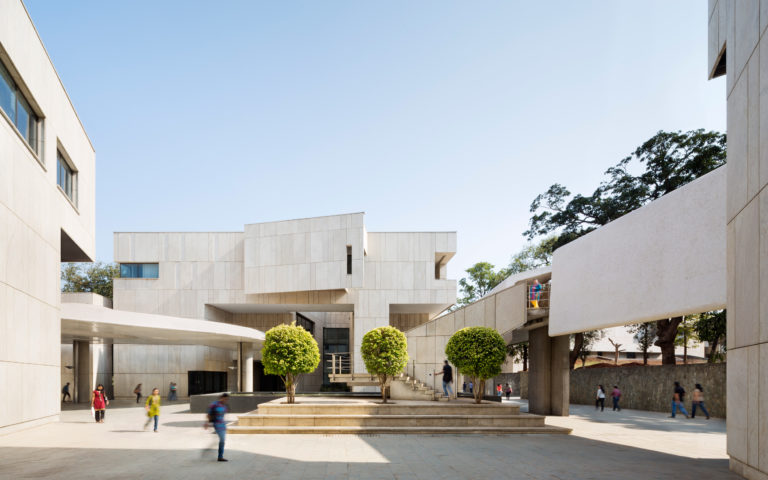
point(152, 407)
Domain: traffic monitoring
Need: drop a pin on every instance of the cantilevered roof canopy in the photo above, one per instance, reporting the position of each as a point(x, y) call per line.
point(99, 324)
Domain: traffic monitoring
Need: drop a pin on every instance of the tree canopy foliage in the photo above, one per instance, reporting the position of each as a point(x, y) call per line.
point(94, 277)
point(711, 327)
point(477, 352)
point(481, 279)
point(289, 351)
point(670, 160)
point(385, 353)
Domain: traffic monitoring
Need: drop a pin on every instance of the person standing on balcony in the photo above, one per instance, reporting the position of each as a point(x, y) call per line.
point(447, 374)
point(535, 293)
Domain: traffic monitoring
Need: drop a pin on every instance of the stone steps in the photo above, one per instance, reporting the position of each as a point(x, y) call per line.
point(392, 420)
point(400, 430)
point(402, 417)
point(445, 409)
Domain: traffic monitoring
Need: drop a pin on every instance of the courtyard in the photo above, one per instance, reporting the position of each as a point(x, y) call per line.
point(628, 445)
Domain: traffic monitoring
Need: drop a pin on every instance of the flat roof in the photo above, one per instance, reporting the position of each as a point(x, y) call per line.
point(98, 324)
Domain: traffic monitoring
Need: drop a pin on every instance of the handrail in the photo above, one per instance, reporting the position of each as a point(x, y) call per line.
point(537, 296)
point(339, 363)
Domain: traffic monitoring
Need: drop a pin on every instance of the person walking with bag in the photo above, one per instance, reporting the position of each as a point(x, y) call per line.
point(99, 403)
point(152, 407)
point(600, 398)
point(677, 400)
point(137, 391)
point(698, 401)
point(217, 412)
point(508, 392)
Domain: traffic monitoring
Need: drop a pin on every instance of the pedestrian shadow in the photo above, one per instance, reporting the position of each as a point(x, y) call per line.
point(186, 424)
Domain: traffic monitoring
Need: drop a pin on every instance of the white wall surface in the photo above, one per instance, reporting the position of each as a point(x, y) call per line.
point(33, 212)
point(662, 260)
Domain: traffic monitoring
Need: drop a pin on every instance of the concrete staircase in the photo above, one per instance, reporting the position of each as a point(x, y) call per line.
point(403, 417)
point(404, 387)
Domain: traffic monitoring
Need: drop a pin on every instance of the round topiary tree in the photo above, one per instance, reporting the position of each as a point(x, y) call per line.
point(385, 353)
point(289, 351)
point(477, 352)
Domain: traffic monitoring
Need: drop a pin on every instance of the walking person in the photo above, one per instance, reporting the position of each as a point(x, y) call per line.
point(600, 398)
point(677, 400)
point(498, 390)
point(172, 392)
point(152, 406)
point(137, 391)
point(471, 387)
point(464, 387)
point(216, 416)
point(535, 293)
point(698, 401)
point(99, 402)
point(65, 393)
point(447, 374)
point(508, 392)
point(616, 395)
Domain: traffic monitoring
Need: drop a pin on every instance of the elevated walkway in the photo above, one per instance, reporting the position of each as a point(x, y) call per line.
point(357, 416)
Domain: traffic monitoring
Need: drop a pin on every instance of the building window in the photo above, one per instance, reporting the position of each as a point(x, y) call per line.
point(306, 323)
point(349, 259)
point(139, 270)
point(66, 177)
point(17, 108)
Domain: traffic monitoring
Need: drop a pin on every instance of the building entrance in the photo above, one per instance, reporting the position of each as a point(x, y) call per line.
point(265, 383)
point(206, 382)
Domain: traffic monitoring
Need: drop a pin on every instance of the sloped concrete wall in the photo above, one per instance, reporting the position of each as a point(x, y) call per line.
point(651, 388)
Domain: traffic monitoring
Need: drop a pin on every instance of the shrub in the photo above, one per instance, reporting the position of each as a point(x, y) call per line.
point(385, 353)
point(477, 352)
point(289, 351)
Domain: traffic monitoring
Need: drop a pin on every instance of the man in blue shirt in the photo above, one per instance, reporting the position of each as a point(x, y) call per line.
point(217, 412)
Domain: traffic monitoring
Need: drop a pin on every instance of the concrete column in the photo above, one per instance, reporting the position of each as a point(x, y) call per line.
point(246, 380)
point(81, 354)
point(559, 375)
point(539, 384)
point(240, 366)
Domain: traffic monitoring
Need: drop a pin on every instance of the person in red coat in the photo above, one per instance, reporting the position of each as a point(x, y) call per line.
point(99, 402)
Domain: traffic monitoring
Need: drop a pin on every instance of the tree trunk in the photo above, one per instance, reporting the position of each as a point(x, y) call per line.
point(645, 356)
point(383, 385)
point(666, 331)
point(479, 389)
point(290, 388)
point(713, 350)
point(645, 344)
point(578, 344)
point(525, 357)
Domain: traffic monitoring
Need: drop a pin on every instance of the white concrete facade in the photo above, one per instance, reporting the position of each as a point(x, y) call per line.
point(39, 225)
point(739, 26)
point(290, 266)
point(662, 260)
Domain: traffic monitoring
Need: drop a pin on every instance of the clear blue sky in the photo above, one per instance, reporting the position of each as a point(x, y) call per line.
point(428, 115)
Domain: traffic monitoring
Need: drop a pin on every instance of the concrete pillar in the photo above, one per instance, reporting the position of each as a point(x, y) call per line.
point(246, 372)
point(81, 354)
point(559, 375)
point(539, 384)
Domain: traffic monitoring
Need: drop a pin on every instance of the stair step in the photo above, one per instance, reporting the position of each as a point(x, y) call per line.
point(524, 420)
point(388, 409)
point(398, 430)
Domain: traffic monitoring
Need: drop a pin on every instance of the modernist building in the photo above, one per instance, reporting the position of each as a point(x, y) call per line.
point(47, 166)
point(327, 273)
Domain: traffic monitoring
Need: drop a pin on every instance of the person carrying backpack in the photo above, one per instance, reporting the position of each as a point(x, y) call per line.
point(217, 412)
point(508, 391)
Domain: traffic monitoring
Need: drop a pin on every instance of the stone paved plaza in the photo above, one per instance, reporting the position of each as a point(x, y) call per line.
point(626, 445)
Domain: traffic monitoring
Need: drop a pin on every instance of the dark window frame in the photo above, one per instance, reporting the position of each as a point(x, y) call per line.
point(31, 132)
point(138, 271)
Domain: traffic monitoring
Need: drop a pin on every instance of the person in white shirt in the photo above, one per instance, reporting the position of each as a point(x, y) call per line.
point(600, 398)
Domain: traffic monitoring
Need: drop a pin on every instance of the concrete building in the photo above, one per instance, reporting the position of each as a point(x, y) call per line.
point(47, 169)
point(738, 48)
point(328, 273)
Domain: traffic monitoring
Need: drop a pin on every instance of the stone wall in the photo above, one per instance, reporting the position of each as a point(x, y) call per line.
point(650, 388)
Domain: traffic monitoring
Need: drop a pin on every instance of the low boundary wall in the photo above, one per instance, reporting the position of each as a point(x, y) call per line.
point(651, 387)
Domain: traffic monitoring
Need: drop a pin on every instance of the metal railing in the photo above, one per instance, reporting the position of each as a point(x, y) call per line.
point(538, 296)
point(338, 363)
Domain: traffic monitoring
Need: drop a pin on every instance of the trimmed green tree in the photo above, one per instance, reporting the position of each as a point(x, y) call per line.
point(477, 352)
point(385, 353)
point(289, 351)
